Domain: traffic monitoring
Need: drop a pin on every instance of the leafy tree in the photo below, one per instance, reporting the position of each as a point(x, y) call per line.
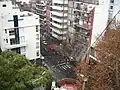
point(17, 73)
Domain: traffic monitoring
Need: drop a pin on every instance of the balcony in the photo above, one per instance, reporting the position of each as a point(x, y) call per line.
point(58, 37)
point(88, 1)
point(59, 13)
point(59, 26)
point(41, 4)
point(40, 9)
point(60, 20)
point(59, 31)
point(59, 8)
point(60, 1)
point(8, 46)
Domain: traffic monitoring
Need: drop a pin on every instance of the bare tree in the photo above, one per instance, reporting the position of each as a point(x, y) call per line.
point(104, 75)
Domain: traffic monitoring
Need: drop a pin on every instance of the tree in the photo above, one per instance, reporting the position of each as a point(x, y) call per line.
point(104, 75)
point(17, 73)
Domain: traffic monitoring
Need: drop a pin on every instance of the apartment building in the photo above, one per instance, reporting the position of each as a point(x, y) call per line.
point(104, 12)
point(19, 31)
point(59, 16)
point(41, 11)
point(80, 22)
point(81, 16)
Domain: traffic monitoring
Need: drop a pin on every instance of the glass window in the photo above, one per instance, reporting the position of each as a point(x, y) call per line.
point(111, 7)
point(37, 53)
point(112, 1)
point(37, 44)
point(12, 32)
point(23, 49)
point(22, 39)
point(4, 5)
point(37, 28)
point(5, 30)
point(6, 40)
point(12, 41)
point(37, 36)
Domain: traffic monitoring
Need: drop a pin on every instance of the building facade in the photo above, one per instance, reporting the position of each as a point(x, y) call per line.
point(42, 8)
point(80, 22)
point(19, 31)
point(104, 13)
point(59, 16)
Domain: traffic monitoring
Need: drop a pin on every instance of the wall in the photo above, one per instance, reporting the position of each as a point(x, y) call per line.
point(100, 19)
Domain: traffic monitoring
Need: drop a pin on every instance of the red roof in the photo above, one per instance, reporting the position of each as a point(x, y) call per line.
point(69, 84)
point(69, 87)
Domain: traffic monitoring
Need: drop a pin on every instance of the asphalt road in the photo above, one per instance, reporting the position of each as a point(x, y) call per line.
point(56, 62)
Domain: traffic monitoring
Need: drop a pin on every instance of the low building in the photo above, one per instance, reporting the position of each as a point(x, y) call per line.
point(19, 31)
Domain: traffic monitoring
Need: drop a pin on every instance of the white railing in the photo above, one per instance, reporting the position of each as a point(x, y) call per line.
point(8, 46)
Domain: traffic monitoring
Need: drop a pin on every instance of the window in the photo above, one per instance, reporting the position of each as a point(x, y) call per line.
point(37, 28)
point(37, 36)
point(12, 41)
point(22, 39)
point(37, 44)
point(4, 5)
point(111, 7)
point(5, 30)
point(6, 40)
point(23, 49)
point(112, 1)
point(24, 55)
point(37, 53)
point(12, 32)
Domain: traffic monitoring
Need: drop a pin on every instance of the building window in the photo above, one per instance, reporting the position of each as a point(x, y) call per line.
point(37, 53)
point(6, 40)
point(37, 44)
point(24, 55)
point(111, 7)
point(23, 49)
point(5, 30)
point(112, 1)
point(12, 32)
point(4, 5)
point(37, 28)
point(12, 41)
point(37, 36)
point(22, 39)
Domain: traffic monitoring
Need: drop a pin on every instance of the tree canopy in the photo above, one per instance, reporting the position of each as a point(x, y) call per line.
point(103, 75)
point(17, 73)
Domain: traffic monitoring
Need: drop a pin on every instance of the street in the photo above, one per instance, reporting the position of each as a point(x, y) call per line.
point(58, 63)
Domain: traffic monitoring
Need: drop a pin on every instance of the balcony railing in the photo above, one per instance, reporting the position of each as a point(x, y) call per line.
point(59, 26)
point(60, 20)
point(8, 46)
point(88, 1)
point(59, 13)
point(58, 37)
point(59, 31)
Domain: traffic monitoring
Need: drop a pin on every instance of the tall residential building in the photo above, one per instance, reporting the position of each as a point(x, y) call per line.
point(41, 11)
point(104, 12)
point(19, 31)
point(42, 8)
point(59, 16)
point(80, 22)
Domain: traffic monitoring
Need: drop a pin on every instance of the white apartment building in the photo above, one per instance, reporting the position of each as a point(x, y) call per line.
point(59, 15)
point(19, 31)
point(104, 12)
